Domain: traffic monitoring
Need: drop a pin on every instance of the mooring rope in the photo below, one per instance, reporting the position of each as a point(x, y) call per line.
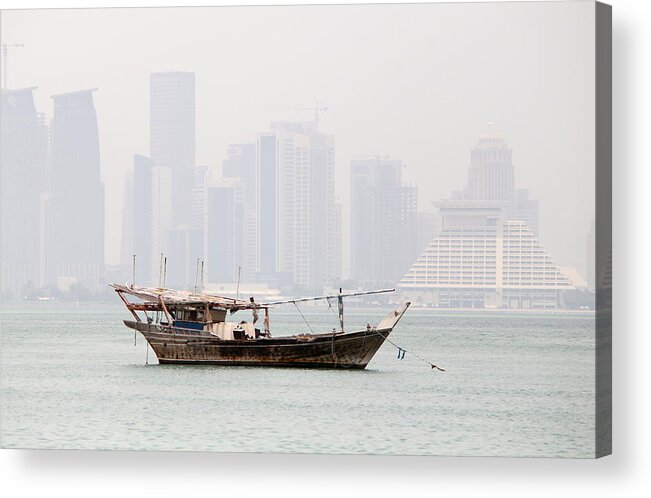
point(403, 351)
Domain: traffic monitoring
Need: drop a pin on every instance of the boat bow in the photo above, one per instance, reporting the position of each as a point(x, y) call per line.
point(390, 321)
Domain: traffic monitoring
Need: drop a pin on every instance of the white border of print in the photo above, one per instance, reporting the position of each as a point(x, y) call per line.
point(625, 473)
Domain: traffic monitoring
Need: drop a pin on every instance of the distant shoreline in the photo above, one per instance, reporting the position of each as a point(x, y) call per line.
point(351, 308)
point(509, 311)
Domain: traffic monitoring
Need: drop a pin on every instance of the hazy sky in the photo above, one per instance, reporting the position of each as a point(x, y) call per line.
point(413, 82)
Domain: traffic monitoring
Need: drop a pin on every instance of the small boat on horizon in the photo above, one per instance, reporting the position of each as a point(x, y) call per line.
point(184, 327)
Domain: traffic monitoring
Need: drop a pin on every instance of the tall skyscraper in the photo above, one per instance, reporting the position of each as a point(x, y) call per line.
point(491, 177)
point(77, 230)
point(383, 229)
point(172, 136)
point(172, 147)
point(172, 142)
point(22, 169)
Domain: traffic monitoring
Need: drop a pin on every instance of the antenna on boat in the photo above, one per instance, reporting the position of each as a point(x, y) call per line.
point(196, 277)
point(202, 287)
point(164, 271)
point(133, 279)
point(237, 292)
point(160, 271)
point(340, 306)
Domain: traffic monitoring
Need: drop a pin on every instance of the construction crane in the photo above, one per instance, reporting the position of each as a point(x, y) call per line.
point(316, 110)
point(5, 51)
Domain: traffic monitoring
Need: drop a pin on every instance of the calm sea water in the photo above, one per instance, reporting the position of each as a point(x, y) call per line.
point(515, 385)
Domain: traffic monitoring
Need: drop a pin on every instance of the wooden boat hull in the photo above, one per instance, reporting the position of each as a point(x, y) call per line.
point(334, 350)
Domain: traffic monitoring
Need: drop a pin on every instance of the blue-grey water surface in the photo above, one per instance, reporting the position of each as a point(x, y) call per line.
point(515, 385)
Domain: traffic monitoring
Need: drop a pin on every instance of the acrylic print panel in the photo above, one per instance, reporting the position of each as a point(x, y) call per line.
point(309, 229)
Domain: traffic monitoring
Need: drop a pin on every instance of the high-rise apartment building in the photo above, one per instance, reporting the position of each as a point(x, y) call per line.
point(296, 205)
point(76, 234)
point(384, 224)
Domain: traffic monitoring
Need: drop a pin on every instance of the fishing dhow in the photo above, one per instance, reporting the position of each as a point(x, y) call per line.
point(192, 328)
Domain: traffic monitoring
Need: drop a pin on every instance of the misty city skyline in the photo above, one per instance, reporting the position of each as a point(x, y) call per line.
point(381, 98)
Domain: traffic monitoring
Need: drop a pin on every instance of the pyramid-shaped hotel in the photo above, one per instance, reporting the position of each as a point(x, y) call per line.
point(487, 253)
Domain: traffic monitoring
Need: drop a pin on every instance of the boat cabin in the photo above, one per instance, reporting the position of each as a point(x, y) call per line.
point(187, 312)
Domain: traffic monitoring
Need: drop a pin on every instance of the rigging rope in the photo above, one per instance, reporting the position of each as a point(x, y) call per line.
point(306, 322)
